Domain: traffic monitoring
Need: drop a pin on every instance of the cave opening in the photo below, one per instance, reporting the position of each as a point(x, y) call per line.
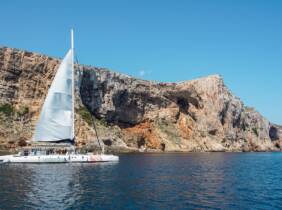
point(183, 105)
point(108, 142)
point(223, 113)
point(273, 133)
point(277, 145)
point(141, 142)
point(213, 132)
point(163, 147)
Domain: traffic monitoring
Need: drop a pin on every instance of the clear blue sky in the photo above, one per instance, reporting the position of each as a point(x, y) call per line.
point(162, 40)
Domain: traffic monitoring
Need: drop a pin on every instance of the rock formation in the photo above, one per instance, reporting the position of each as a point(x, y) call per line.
point(132, 114)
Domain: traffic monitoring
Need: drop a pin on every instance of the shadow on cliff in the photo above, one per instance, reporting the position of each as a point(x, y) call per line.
point(124, 101)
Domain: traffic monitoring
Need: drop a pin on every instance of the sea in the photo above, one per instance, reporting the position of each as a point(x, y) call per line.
point(148, 181)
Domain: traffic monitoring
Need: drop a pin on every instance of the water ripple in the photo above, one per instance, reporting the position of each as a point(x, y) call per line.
point(148, 181)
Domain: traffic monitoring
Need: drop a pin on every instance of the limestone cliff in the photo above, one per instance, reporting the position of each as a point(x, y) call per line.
point(132, 114)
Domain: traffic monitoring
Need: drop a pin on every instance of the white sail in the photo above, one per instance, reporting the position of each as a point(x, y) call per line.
point(56, 121)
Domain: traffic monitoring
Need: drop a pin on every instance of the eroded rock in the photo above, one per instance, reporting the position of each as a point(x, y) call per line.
point(132, 114)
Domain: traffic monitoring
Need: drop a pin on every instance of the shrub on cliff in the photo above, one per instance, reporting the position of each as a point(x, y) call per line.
point(255, 130)
point(22, 111)
point(6, 109)
point(85, 115)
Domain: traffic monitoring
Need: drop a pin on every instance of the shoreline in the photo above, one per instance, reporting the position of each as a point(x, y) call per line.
point(7, 152)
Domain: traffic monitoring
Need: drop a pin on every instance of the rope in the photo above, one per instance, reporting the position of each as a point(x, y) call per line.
point(94, 125)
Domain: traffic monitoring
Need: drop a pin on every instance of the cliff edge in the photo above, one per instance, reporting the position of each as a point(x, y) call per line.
point(132, 114)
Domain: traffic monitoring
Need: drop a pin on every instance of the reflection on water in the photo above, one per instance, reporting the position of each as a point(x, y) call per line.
point(54, 183)
point(148, 181)
point(45, 186)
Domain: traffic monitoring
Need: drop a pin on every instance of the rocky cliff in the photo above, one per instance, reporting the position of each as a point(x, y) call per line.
point(132, 114)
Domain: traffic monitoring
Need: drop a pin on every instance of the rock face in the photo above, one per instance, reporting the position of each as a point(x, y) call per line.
point(132, 114)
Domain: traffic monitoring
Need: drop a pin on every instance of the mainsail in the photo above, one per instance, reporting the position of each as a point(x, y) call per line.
point(56, 121)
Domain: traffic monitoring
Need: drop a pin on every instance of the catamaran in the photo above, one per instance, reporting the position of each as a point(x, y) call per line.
point(55, 130)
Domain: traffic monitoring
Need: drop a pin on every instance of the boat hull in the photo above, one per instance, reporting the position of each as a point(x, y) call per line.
point(69, 158)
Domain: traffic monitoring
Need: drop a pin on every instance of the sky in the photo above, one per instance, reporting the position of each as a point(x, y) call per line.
point(162, 40)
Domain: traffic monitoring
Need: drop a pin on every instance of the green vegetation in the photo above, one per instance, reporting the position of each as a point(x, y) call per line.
point(15, 124)
point(6, 109)
point(85, 115)
point(22, 111)
point(9, 110)
point(255, 130)
point(88, 117)
point(101, 122)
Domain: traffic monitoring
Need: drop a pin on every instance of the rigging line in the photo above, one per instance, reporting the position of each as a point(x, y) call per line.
point(92, 117)
point(94, 125)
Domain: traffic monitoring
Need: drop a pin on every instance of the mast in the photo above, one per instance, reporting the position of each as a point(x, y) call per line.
point(73, 96)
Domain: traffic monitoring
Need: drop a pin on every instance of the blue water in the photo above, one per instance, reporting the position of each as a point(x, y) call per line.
point(148, 181)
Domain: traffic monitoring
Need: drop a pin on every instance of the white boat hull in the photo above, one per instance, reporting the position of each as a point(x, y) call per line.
point(57, 158)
